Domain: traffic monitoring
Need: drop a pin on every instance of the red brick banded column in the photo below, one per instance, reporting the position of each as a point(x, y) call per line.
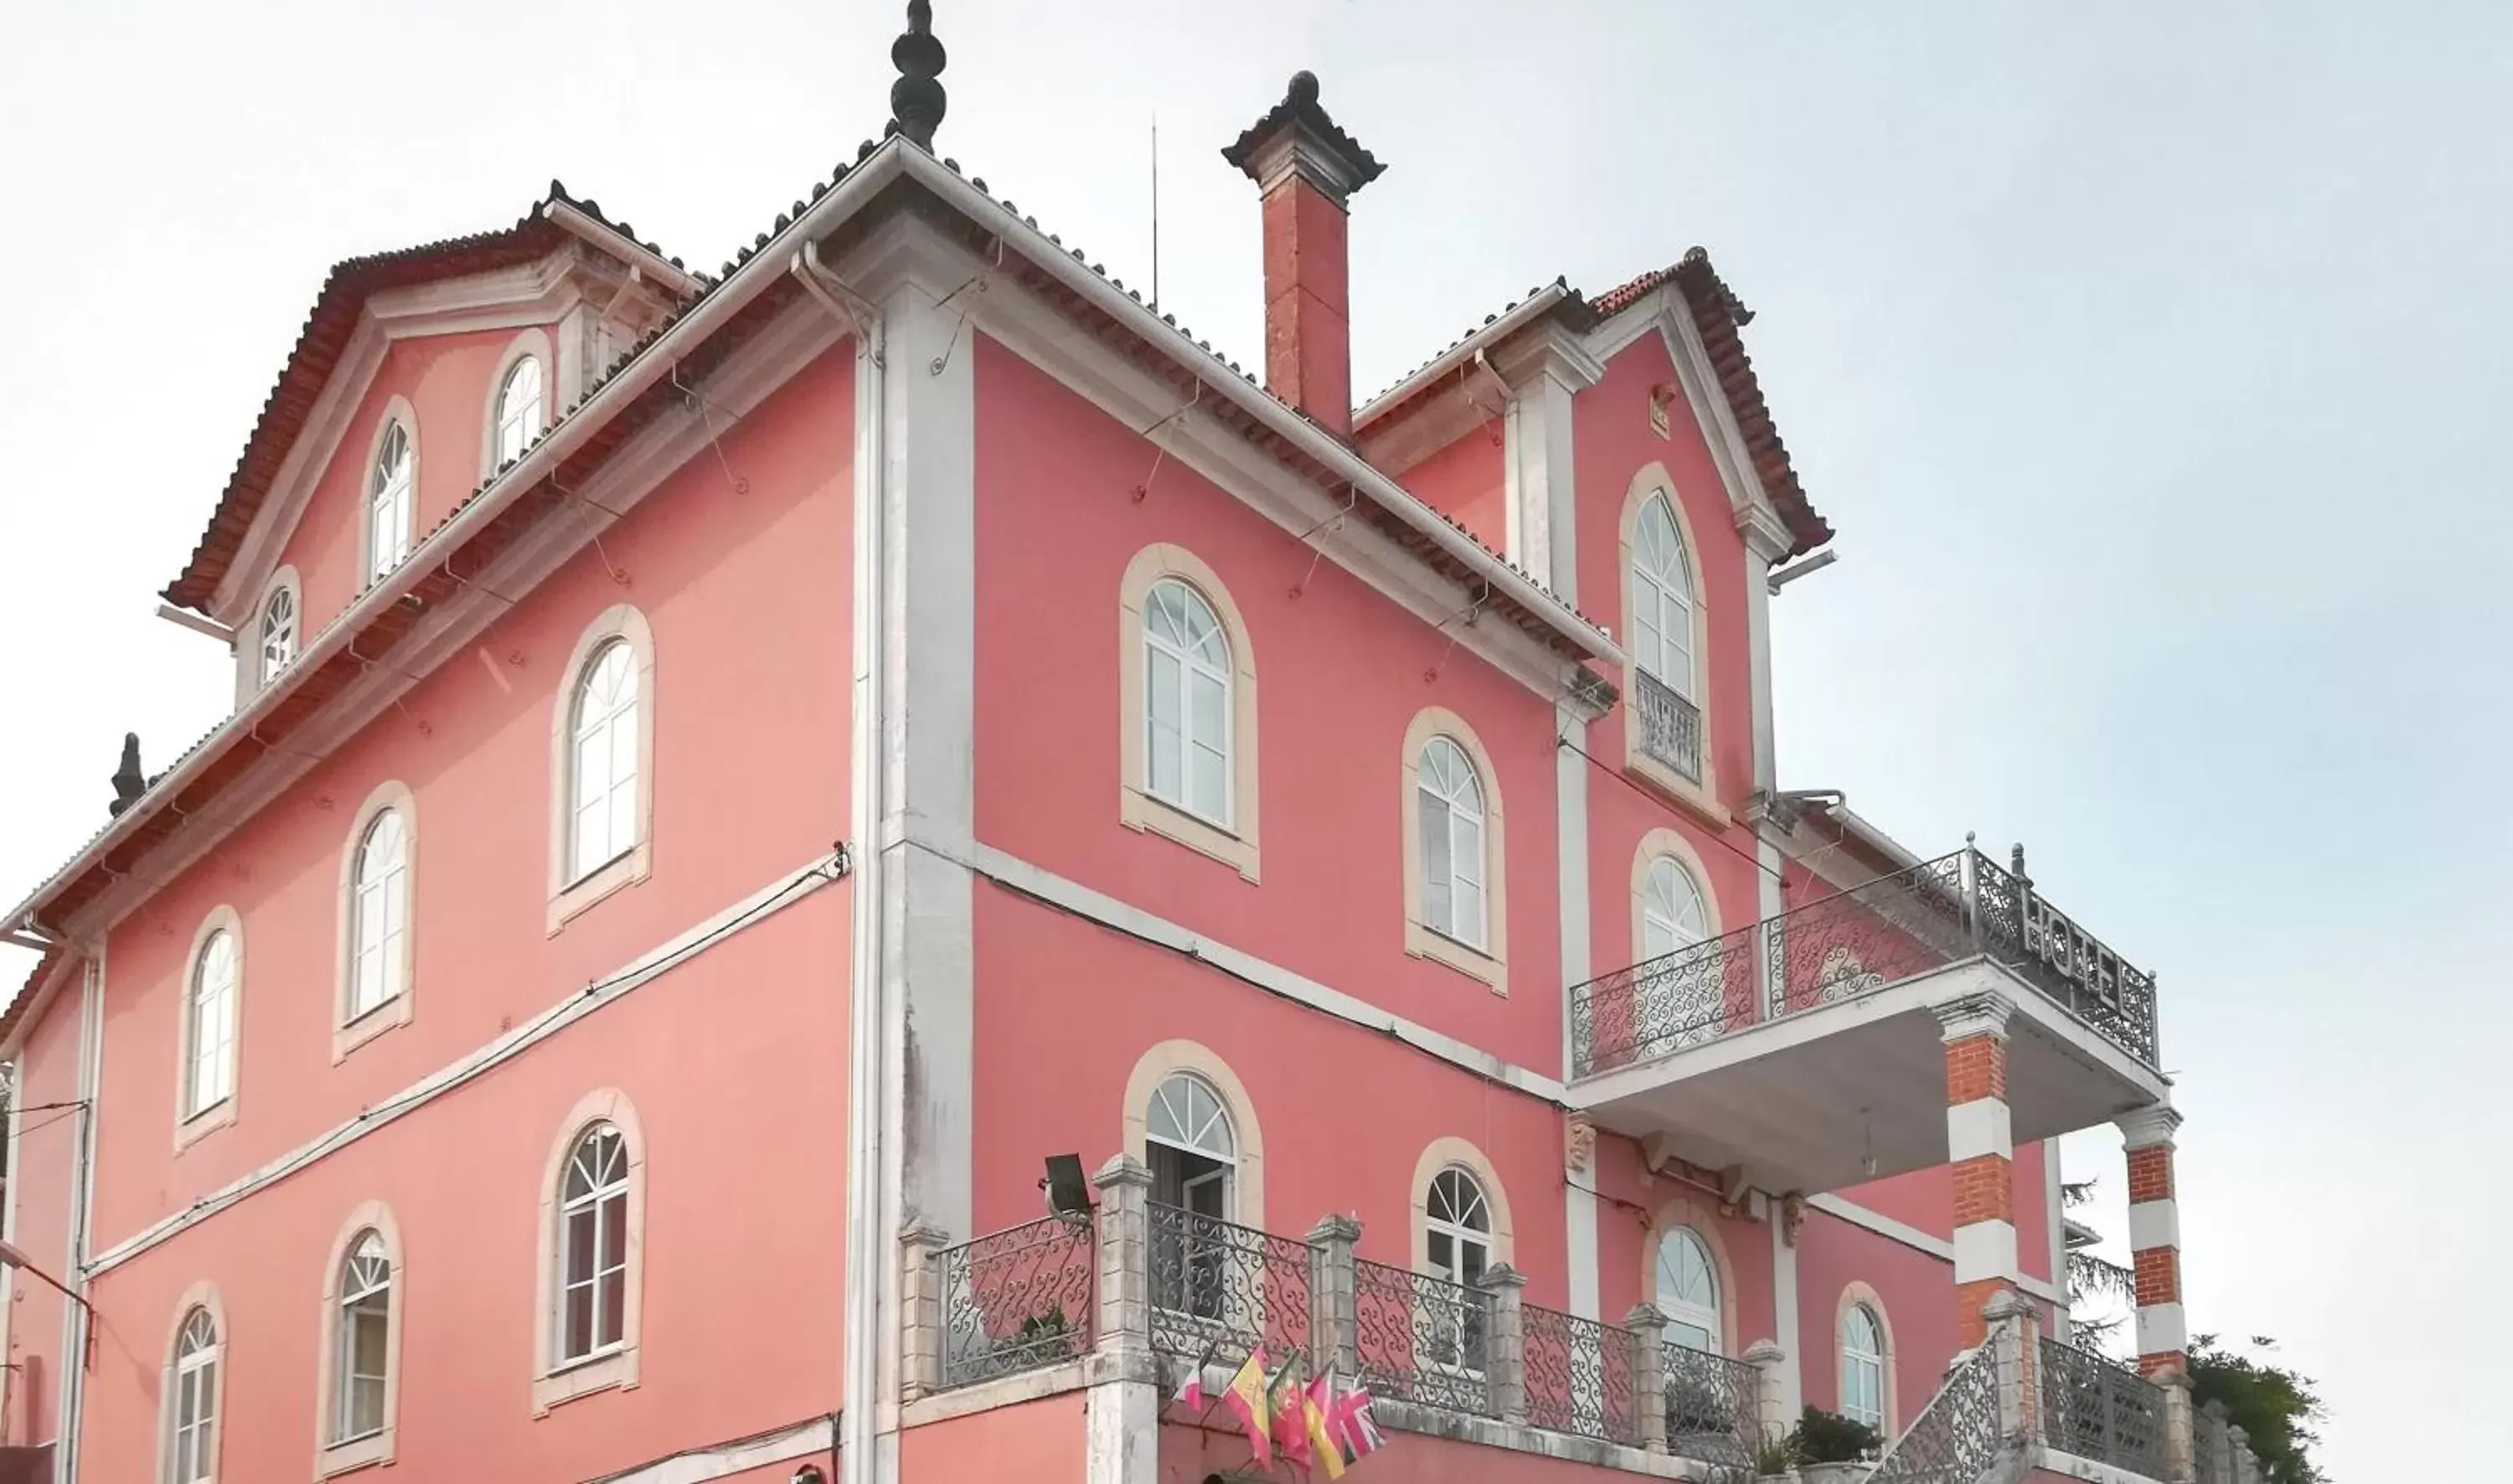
point(1981, 1148)
point(2155, 1240)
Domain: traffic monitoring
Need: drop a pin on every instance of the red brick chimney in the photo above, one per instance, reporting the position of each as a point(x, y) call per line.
point(1306, 171)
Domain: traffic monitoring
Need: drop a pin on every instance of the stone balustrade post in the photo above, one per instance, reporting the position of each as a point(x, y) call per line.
point(1124, 1187)
point(2015, 1345)
point(1504, 1292)
point(1767, 1358)
point(2181, 1429)
point(2242, 1468)
point(921, 1304)
point(1334, 1310)
point(1645, 1331)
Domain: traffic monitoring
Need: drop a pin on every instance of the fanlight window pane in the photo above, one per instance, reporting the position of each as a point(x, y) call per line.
point(378, 914)
point(1687, 1290)
point(1452, 822)
point(192, 1443)
point(1662, 599)
point(363, 1344)
point(1187, 1115)
point(210, 1075)
point(278, 632)
point(519, 411)
point(1186, 703)
point(1862, 1367)
point(389, 503)
point(593, 1244)
point(1672, 914)
point(602, 817)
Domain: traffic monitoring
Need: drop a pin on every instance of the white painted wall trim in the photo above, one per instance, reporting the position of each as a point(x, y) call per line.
point(803, 1440)
point(1784, 1318)
point(784, 891)
point(1019, 876)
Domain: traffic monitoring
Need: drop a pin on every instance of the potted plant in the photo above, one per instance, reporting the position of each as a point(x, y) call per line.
point(1775, 1456)
point(1832, 1449)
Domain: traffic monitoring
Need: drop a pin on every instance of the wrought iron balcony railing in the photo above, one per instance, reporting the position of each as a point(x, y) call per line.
point(1220, 1291)
point(1670, 725)
point(2099, 1409)
point(1422, 1339)
point(1852, 943)
point(1958, 1435)
point(1579, 1375)
point(1017, 1300)
point(1713, 1406)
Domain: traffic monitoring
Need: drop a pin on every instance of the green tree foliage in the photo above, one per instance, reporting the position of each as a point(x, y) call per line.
point(2275, 1407)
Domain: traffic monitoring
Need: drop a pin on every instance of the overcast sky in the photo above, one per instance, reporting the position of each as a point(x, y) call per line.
point(2149, 358)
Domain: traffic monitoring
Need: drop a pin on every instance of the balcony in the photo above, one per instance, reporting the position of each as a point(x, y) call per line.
point(1670, 726)
point(1807, 1048)
point(1140, 1289)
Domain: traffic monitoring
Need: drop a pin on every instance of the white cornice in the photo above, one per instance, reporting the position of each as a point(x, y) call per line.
point(1550, 350)
point(1446, 363)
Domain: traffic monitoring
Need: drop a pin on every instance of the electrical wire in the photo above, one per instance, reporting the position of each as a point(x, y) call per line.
point(1720, 840)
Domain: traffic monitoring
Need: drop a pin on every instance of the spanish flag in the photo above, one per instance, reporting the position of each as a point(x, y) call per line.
point(1317, 1403)
point(1245, 1396)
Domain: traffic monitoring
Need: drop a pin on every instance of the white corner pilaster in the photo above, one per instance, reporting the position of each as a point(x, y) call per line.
point(1571, 840)
point(1785, 1375)
point(1544, 370)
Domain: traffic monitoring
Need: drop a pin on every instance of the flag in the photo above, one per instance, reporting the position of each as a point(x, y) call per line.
point(1355, 1426)
point(1245, 1398)
point(1192, 1392)
point(1317, 1408)
point(1291, 1429)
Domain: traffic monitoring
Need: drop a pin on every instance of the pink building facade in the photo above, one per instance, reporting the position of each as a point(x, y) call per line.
point(731, 775)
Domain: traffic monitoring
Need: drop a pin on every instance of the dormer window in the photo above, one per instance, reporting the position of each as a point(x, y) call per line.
point(519, 411)
point(390, 500)
point(278, 632)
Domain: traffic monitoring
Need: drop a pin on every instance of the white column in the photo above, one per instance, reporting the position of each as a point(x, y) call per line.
point(1787, 1377)
point(1570, 842)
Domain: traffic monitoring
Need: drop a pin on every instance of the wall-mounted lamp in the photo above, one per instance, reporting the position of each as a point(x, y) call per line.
point(810, 1473)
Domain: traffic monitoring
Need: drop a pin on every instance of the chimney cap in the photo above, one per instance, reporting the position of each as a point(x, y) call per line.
point(1296, 136)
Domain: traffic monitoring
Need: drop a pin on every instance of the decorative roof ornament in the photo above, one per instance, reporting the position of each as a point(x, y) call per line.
point(916, 100)
point(128, 781)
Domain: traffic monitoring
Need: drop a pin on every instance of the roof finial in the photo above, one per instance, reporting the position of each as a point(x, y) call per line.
point(916, 100)
point(128, 781)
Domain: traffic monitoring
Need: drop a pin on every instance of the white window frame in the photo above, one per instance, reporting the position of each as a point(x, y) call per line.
point(1233, 840)
point(1678, 1309)
point(1652, 488)
point(390, 509)
point(336, 1450)
point(531, 343)
point(1665, 601)
point(522, 411)
point(1857, 1296)
point(1171, 1058)
point(1484, 956)
point(291, 643)
point(558, 1377)
point(353, 1025)
point(1868, 1362)
point(194, 1389)
point(1675, 912)
point(1191, 665)
point(573, 890)
point(194, 1114)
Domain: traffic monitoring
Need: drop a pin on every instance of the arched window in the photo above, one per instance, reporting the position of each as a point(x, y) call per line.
point(1687, 1290)
point(593, 1246)
point(1662, 599)
point(1862, 1367)
point(1187, 718)
point(519, 412)
point(192, 1414)
point(362, 1349)
point(278, 632)
point(602, 820)
point(1192, 1148)
point(1458, 1247)
point(210, 1025)
point(1452, 821)
point(378, 914)
point(390, 501)
point(1672, 914)
point(1194, 1155)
